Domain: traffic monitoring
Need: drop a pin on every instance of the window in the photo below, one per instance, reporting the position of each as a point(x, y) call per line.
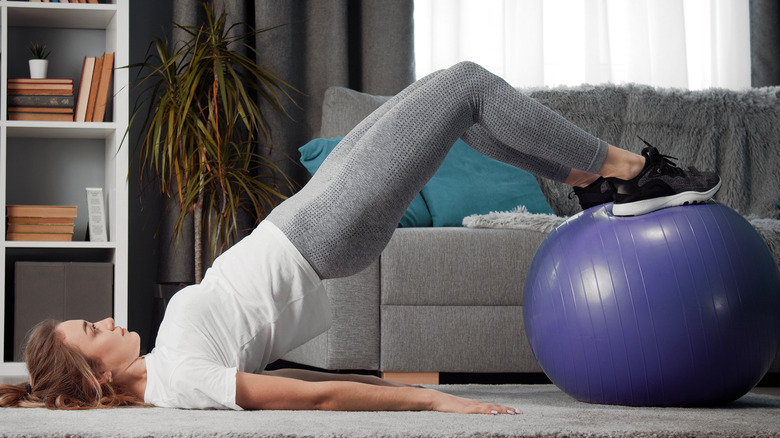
point(690, 44)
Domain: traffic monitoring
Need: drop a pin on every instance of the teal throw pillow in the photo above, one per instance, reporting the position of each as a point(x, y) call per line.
point(471, 183)
point(313, 154)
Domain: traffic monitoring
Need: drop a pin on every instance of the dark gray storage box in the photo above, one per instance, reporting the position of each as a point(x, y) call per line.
point(60, 291)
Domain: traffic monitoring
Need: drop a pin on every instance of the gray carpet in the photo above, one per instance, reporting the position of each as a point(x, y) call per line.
point(546, 412)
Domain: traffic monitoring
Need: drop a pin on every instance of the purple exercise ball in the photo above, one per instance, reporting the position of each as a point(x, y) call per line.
point(679, 307)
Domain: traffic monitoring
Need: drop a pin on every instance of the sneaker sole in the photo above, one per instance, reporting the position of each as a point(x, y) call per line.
point(649, 205)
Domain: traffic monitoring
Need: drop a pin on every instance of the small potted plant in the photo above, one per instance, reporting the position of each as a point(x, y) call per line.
point(38, 62)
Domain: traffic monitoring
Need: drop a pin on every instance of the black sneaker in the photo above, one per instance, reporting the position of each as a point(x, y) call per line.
point(596, 193)
point(661, 184)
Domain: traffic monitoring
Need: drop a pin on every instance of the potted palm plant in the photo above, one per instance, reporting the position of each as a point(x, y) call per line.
point(202, 128)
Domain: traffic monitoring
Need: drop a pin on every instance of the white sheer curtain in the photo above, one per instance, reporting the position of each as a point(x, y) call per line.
point(690, 44)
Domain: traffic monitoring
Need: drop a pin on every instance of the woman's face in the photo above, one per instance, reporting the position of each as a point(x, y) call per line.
point(116, 347)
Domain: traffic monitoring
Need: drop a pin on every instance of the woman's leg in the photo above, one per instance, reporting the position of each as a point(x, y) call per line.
point(342, 219)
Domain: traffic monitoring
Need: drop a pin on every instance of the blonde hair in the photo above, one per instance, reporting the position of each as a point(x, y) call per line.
point(61, 377)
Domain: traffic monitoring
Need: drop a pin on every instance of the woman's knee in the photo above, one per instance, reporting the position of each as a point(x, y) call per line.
point(468, 67)
point(473, 77)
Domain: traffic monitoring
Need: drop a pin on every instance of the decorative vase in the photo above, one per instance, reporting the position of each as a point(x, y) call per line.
point(38, 68)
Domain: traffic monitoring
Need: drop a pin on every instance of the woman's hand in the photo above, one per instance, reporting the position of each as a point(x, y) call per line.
point(443, 402)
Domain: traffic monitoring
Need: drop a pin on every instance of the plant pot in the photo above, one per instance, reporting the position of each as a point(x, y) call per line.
point(38, 68)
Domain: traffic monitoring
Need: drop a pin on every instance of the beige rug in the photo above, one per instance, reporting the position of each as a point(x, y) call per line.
point(547, 412)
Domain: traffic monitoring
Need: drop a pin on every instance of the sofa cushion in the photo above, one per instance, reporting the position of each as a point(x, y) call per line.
point(456, 339)
point(457, 266)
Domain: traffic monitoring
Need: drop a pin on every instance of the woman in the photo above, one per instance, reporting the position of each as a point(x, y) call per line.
point(264, 296)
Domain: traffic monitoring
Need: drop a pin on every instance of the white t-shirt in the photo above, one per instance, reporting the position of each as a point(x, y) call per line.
point(259, 300)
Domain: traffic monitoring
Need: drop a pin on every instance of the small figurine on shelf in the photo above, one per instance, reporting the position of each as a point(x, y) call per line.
point(38, 62)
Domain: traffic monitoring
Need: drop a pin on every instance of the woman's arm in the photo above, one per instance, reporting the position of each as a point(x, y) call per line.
point(318, 376)
point(259, 391)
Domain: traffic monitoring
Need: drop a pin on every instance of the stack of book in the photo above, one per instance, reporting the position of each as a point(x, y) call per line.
point(94, 88)
point(40, 99)
point(40, 222)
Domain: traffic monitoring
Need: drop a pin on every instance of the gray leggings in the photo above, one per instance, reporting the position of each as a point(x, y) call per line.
point(343, 218)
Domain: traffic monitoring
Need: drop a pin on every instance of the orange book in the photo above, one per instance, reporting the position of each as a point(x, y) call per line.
point(40, 87)
point(41, 117)
point(87, 70)
point(40, 237)
point(65, 81)
point(107, 68)
point(93, 89)
point(40, 220)
point(45, 211)
point(40, 228)
point(40, 91)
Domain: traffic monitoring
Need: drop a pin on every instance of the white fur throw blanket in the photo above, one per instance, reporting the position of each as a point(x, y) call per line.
point(517, 219)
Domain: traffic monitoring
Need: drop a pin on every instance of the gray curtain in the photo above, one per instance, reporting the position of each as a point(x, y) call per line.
point(367, 45)
point(765, 42)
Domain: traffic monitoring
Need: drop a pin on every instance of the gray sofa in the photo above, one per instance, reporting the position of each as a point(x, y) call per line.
point(450, 299)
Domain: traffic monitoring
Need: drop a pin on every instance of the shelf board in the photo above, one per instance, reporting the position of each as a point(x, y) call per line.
point(64, 245)
point(34, 129)
point(60, 15)
point(12, 372)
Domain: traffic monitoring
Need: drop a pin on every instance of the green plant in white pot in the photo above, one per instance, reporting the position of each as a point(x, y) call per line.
point(38, 62)
point(202, 128)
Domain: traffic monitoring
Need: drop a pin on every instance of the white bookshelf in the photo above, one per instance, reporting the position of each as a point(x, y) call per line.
point(40, 160)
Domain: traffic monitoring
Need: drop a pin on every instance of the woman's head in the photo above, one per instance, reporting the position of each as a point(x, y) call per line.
point(115, 347)
point(61, 376)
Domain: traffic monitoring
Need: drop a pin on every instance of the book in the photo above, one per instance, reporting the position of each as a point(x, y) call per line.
point(53, 211)
point(40, 86)
point(41, 117)
point(96, 213)
point(94, 83)
point(22, 220)
point(85, 84)
point(40, 91)
point(39, 109)
point(40, 81)
point(40, 237)
point(40, 100)
point(106, 70)
point(41, 228)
